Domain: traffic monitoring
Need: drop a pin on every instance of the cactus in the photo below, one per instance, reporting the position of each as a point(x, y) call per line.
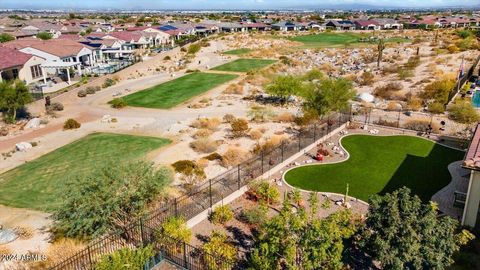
point(380, 47)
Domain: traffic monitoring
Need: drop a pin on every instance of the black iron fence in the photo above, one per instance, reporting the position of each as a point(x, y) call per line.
point(461, 81)
point(199, 199)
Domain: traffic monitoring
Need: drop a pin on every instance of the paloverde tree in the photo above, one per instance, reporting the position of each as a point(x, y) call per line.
point(329, 95)
point(401, 232)
point(285, 86)
point(298, 240)
point(108, 198)
point(14, 95)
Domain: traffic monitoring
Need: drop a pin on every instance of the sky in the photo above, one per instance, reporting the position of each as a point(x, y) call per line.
point(224, 4)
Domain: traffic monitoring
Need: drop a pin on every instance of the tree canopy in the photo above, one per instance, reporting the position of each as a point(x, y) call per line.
point(285, 86)
point(44, 36)
point(298, 240)
point(402, 233)
point(329, 95)
point(14, 95)
point(107, 198)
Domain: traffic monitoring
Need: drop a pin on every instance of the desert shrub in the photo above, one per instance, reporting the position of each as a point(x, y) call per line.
point(233, 156)
point(24, 233)
point(167, 58)
point(307, 118)
point(207, 123)
point(82, 93)
point(125, 258)
point(463, 112)
point(285, 117)
point(414, 103)
point(176, 228)
point(191, 172)
point(255, 215)
point(436, 107)
point(108, 82)
point(383, 122)
point(421, 125)
point(192, 70)
point(218, 247)
point(90, 90)
point(393, 106)
point(385, 91)
point(239, 127)
point(438, 90)
point(389, 69)
point(71, 124)
point(269, 144)
point(234, 89)
point(202, 133)
point(221, 214)
point(260, 113)
point(264, 191)
point(452, 48)
point(255, 134)
point(183, 49)
point(118, 103)
point(59, 250)
point(404, 73)
point(413, 62)
point(367, 78)
point(204, 145)
point(228, 118)
point(213, 156)
point(194, 48)
point(56, 106)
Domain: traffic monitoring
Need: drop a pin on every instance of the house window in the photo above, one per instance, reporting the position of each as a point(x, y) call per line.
point(36, 71)
point(15, 73)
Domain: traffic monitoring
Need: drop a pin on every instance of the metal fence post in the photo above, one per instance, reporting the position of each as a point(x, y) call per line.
point(262, 161)
point(142, 240)
point(210, 191)
point(176, 207)
point(185, 264)
point(89, 256)
point(238, 176)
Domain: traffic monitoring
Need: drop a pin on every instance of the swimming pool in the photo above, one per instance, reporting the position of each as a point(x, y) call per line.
point(476, 99)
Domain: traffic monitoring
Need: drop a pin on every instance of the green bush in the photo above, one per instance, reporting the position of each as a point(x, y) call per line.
point(118, 103)
point(166, 58)
point(213, 156)
point(194, 48)
point(57, 106)
point(221, 214)
point(71, 124)
point(463, 112)
point(108, 82)
point(125, 259)
point(254, 215)
point(82, 93)
point(436, 107)
point(264, 191)
point(218, 247)
point(173, 230)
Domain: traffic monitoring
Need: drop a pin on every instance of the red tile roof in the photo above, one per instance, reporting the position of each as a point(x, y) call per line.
point(12, 58)
point(126, 35)
point(472, 158)
point(57, 47)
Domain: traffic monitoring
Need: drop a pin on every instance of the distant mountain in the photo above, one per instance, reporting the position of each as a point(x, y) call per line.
point(374, 7)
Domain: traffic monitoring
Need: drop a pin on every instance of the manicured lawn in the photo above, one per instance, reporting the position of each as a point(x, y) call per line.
point(332, 40)
point(379, 165)
point(238, 51)
point(35, 184)
point(244, 65)
point(172, 93)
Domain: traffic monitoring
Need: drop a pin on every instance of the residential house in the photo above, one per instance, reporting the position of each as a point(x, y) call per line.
point(387, 23)
point(18, 65)
point(232, 27)
point(286, 26)
point(339, 25)
point(367, 25)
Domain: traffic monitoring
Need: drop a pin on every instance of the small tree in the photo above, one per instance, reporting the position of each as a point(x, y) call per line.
point(218, 252)
point(403, 233)
point(107, 198)
point(44, 36)
point(14, 95)
point(190, 171)
point(329, 95)
point(285, 86)
point(126, 259)
point(174, 232)
point(239, 127)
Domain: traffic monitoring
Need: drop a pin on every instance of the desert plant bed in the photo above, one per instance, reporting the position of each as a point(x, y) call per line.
point(174, 92)
point(333, 40)
point(34, 184)
point(379, 165)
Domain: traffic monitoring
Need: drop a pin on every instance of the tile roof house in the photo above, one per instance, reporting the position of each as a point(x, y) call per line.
point(19, 65)
point(340, 25)
point(367, 25)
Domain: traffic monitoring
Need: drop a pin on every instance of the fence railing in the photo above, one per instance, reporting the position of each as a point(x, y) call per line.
point(461, 81)
point(202, 197)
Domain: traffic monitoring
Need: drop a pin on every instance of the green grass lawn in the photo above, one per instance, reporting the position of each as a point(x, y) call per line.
point(244, 65)
point(35, 184)
point(379, 165)
point(238, 51)
point(332, 40)
point(172, 93)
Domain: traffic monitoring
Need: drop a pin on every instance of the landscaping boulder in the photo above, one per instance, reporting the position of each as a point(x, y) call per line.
point(33, 123)
point(23, 146)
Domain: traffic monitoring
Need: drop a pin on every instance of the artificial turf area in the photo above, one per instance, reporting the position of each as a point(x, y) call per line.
point(36, 184)
point(379, 165)
point(238, 51)
point(244, 65)
point(332, 40)
point(172, 93)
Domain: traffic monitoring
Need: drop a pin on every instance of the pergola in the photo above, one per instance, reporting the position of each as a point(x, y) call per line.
point(61, 65)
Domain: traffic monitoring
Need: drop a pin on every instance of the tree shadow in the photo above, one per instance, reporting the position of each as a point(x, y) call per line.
point(242, 240)
point(425, 176)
